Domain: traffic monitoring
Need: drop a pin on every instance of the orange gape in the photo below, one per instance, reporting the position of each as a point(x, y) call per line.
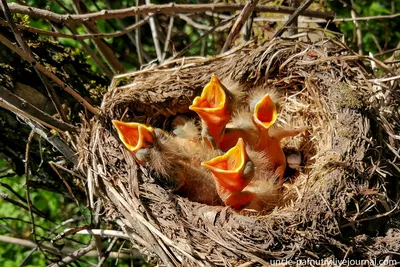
point(135, 136)
point(232, 173)
point(264, 116)
point(214, 108)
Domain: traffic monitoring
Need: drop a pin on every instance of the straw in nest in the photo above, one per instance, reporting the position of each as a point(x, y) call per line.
point(343, 194)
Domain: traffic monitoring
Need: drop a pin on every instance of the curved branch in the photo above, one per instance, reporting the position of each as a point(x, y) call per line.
point(155, 9)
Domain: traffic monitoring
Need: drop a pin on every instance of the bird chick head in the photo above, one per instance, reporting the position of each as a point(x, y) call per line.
point(265, 112)
point(135, 136)
point(214, 105)
point(233, 170)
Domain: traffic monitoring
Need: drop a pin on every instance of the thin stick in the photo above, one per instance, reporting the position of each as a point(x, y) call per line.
point(104, 49)
point(126, 30)
point(357, 29)
point(92, 54)
point(19, 204)
point(49, 87)
point(28, 195)
point(15, 104)
point(110, 247)
point(181, 53)
point(73, 256)
point(166, 45)
point(242, 18)
point(154, 33)
point(65, 250)
point(155, 9)
point(49, 74)
point(301, 9)
point(17, 195)
point(53, 139)
point(101, 232)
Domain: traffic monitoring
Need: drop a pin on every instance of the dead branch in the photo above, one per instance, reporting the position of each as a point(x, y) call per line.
point(49, 87)
point(12, 102)
point(65, 250)
point(293, 17)
point(155, 9)
point(115, 34)
point(104, 49)
point(49, 74)
point(154, 34)
point(242, 18)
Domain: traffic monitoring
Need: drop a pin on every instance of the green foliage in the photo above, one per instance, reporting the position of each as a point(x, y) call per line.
point(16, 221)
point(377, 34)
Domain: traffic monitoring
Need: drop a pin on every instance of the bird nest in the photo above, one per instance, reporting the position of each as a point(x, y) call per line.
point(339, 204)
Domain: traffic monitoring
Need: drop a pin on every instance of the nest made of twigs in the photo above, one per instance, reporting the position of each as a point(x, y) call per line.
point(340, 203)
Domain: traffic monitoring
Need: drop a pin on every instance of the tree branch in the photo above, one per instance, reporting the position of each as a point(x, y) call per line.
point(104, 49)
point(126, 30)
point(10, 101)
point(49, 87)
point(155, 9)
point(301, 9)
point(49, 74)
point(243, 16)
point(64, 251)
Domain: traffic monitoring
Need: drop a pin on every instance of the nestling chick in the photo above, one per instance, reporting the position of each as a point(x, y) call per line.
point(214, 107)
point(243, 184)
point(174, 158)
point(264, 116)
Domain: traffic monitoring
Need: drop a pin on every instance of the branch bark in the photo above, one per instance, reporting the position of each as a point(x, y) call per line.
point(242, 18)
point(156, 9)
point(49, 74)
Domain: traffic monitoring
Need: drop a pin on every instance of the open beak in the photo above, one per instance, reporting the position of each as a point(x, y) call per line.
point(233, 170)
point(265, 112)
point(134, 135)
point(213, 107)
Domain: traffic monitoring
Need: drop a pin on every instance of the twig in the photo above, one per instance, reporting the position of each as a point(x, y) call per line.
point(104, 49)
point(181, 53)
point(168, 39)
point(27, 257)
point(19, 204)
point(294, 30)
point(73, 256)
point(65, 250)
point(131, 36)
point(28, 194)
point(115, 34)
point(65, 183)
point(54, 140)
point(49, 74)
point(110, 247)
point(301, 9)
point(155, 9)
point(49, 87)
point(69, 11)
point(101, 232)
point(24, 221)
point(12, 102)
point(357, 30)
point(243, 16)
point(92, 54)
point(16, 194)
point(155, 35)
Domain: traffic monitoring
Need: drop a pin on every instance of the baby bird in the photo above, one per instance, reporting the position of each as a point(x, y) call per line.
point(174, 158)
point(255, 127)
point(214, 107)
point(243, 181)
point(264, 116)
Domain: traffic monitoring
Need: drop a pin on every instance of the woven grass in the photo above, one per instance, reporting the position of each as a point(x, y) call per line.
point(343, 201)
